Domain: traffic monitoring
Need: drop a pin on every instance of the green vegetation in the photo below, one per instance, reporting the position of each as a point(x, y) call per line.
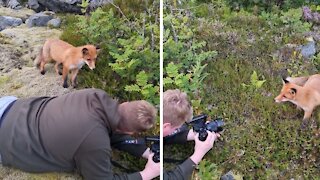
point(262, 139)
point(128, 66)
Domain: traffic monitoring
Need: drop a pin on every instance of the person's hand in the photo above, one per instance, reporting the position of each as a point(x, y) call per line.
point(191, 135)
point(146, 153)
point(151, 169)
point(202, 147)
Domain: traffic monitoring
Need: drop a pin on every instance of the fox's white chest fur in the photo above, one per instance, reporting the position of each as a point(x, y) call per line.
point(77, 66)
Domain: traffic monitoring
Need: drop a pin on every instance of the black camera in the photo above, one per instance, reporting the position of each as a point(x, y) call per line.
point(155, 147)
point(200, 126)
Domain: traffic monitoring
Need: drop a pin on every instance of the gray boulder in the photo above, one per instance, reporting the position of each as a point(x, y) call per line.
point(54, 23)
point(94, 4)
point(13, 4)
point(71, 6)
point(228, 176)
point(34, 5)
point(309, 49)
point(6, 21)
point(231, 176)
point(39, 19)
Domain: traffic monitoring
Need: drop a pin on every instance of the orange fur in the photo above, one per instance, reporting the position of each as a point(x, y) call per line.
point(72, 58)
point(303, 91)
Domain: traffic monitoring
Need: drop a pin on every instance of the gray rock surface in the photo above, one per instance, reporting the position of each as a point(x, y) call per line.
point(39, 19)
point(71, 6)
point(54, 23)
point(13, 4)
point(228, 176)
point(7, 21)
point(33, 4)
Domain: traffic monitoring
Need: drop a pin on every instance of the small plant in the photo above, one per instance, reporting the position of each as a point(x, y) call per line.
point(84, 5)
point(148, 90)
point(255, 83)
point(184, 57)
point(208, 170)
point(129, 58)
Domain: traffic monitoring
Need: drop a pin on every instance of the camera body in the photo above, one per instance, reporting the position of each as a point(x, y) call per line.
point(200, 126)
point(155, 147)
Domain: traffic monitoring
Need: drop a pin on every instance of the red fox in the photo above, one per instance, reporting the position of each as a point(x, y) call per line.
point(303, 92)
point(72, 58)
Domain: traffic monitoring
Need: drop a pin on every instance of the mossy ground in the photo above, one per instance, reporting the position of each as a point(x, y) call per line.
point(262, 139)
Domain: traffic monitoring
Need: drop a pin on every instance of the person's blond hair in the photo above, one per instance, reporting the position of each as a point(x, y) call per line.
point(176, 107)
point(137, 116)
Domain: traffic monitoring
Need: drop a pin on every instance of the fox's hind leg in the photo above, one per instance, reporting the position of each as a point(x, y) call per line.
point(65, 72)
point(56, 67)
point(45, 57)
point(42, 71)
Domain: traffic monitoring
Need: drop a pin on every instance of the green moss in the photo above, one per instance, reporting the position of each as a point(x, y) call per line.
point(262, 139)
point(3, 80)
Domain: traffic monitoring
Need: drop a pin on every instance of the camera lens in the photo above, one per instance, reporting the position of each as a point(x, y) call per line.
point(156, 157)
point(215, 126)
point(203, 135)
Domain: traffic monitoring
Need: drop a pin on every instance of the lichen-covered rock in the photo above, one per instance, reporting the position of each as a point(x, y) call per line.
point(34, 4)
point(7, 21)
point(54, 23)
point(39, 19)
point(71, 6)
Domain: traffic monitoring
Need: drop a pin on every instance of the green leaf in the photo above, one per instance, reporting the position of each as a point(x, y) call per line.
point(172, 70)
point(254, 77)
point(167, 80)
point(259, 83)
point(131, 88)
point(142, 78)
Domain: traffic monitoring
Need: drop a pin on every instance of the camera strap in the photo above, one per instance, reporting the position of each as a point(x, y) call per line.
point(179, 130)
point(118, 165)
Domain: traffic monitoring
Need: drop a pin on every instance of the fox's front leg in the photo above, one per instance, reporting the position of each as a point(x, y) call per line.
point(65, 72)
point(74, 77)
point(307, 114)
point(306, 117)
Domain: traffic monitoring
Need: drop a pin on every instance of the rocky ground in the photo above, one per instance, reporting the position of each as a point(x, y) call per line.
point(19, 77)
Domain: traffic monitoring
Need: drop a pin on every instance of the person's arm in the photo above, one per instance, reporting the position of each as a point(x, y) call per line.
point(93, 159)
point(179, 136)
point(181, 172)
point(184, 170)
point(138, 149)
point(96, 165)
point(202, 147)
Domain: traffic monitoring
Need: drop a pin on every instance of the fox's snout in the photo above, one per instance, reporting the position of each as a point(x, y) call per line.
point(91, 65)
point(277, 100)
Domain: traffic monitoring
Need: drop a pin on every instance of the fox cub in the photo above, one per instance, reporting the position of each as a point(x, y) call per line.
point(303, 92)
point(72, 58)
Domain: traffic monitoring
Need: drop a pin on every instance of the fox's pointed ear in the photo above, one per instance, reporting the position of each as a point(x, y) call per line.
point(98, 48)
point(284, 80)
point(85, 51)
